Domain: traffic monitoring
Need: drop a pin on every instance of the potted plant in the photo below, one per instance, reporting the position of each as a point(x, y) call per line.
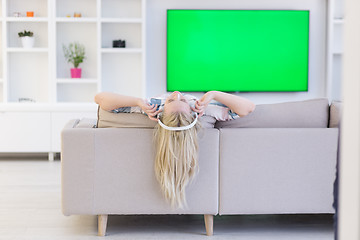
point(75, 54)
point(27, 39)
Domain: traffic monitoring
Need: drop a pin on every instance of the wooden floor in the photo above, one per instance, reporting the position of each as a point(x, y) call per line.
point(30, 208)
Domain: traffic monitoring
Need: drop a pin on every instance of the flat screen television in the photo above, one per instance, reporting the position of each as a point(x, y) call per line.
point(237, 50)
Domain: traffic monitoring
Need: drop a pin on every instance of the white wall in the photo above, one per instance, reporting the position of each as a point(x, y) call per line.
point(156, 42)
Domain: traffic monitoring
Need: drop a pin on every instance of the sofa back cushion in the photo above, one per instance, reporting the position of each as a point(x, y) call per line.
point(312, 113)
point(108, 119)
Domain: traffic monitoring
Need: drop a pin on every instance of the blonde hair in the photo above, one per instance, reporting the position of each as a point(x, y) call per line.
point(176, 161)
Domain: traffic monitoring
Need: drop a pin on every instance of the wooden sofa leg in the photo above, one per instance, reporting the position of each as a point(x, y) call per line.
point(209, 223)
point(102, 221)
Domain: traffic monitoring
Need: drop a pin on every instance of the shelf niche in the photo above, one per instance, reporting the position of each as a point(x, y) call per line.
point(130, 32)
point(28, 80)
point(68, 32)
point(40, 30)
point(76, 92)
point(339, 9)
point(337, 38)
point(87, 8)
point(1, 93)
point(337, 73)
point(39, 7)
point(124, 77)
point(1, 54)
point(121, 9)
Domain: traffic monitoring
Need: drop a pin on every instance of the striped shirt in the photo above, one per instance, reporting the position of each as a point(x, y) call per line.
point(215, 109)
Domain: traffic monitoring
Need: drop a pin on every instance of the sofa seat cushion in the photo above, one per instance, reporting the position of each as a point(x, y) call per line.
point(108, 119)
point(312, 113)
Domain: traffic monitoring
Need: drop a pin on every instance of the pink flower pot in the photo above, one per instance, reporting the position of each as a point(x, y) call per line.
point(76, 73)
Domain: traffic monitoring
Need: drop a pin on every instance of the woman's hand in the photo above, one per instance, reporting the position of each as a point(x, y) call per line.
point(150, 110)
point(203, 102)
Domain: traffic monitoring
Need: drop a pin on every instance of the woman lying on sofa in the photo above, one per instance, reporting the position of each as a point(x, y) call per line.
point(176, 134)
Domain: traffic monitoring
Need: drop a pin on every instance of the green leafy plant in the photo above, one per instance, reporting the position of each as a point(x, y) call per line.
point(26, 34)
point(74, 53)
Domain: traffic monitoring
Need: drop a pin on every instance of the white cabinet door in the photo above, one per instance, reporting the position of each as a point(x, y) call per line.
point(59, 119)
point(25, 131)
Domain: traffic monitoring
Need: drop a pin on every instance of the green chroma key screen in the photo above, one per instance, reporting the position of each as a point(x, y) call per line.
point(237, 50)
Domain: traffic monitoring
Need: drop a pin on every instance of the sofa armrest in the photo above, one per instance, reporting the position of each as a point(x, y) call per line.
point(81, 123)
point(87, 123)
point(77, 169)
point(71, 124)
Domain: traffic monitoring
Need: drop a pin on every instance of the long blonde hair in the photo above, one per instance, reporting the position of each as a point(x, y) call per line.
point(176, 161)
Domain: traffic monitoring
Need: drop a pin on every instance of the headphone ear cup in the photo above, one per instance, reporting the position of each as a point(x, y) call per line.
point(194, 114)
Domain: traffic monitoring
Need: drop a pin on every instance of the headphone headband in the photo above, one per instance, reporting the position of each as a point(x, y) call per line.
point(178, 128)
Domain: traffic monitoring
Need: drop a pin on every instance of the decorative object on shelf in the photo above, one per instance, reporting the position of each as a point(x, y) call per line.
point(26, 100)
point(30, 14)
point(75, 54)
point(27, 39)
point(16, 14)
point(77, 14)
point(119, 43)
point(68, 15)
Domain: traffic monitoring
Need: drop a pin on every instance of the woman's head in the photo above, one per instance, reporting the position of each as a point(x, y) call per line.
point(176, 102)
point(176, 160)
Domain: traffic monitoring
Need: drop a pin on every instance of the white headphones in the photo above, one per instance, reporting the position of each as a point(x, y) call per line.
point(178, 128)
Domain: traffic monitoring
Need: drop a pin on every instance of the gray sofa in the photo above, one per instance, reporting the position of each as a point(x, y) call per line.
point(280, 159)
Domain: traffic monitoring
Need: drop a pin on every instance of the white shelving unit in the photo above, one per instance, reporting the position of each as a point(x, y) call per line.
point(42, 73)
point(335, 48)
point(104, 69)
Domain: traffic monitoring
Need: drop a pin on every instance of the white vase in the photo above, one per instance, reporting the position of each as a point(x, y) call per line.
point(27, 42)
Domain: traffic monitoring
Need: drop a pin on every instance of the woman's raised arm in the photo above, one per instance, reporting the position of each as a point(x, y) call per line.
point(110, 101)
point(241, 106)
